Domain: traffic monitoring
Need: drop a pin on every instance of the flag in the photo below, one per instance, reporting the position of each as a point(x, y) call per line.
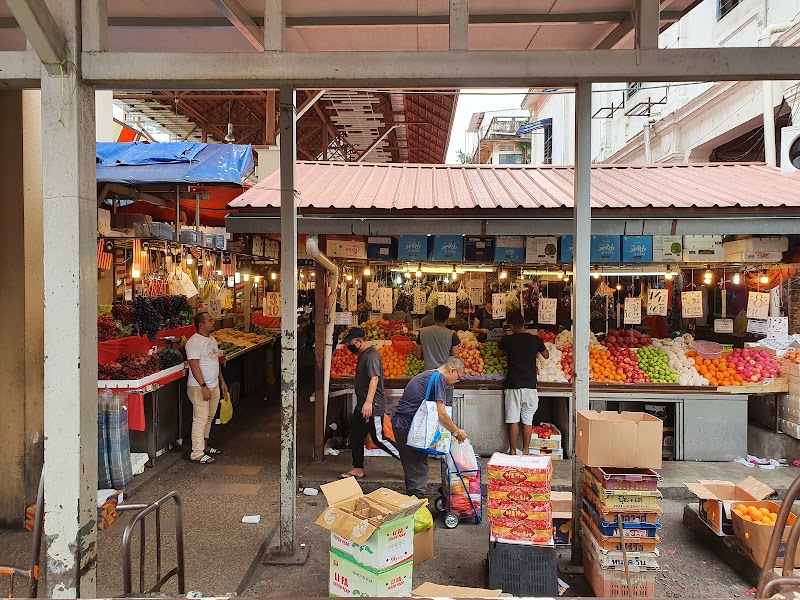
point(105, 260)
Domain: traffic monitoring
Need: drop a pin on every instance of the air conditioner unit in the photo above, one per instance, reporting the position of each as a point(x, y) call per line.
point(790, 149)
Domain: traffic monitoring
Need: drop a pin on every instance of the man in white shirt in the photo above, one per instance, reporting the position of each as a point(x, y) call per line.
point(204, 386)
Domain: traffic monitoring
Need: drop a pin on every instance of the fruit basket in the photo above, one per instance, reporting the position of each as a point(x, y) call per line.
point(709, 350)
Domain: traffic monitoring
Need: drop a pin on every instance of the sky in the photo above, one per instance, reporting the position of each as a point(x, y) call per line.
point(472, 101)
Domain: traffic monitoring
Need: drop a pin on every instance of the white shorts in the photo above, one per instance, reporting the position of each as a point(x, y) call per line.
point(521, 405)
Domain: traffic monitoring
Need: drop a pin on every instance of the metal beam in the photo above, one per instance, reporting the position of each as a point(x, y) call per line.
point(274, 25)
point(20, 69)
point(618, 35)
point(243, 22)
point(647, 23)
point(459, 24)
point(94, 19)
point(134, 194)
point(376, 143)
point(308, 103)
point(42, 31)
point(329, 70)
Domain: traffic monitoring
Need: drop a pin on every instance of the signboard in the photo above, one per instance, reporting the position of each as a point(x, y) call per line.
point(343, 318)
point(498, 306)
point(757, 326)
point(419, 301)
point(757, 305)
point(692, 305)
point(723, 325)
point(271, 306)
point(352, 299)
point(475, 291)
point(215, 308)
point(372, 289)
point(778, 326)
point(449, 299)
point(346, 248)
point(383, 301)
point(547, 311)
point(657, 302)
point(633, 311)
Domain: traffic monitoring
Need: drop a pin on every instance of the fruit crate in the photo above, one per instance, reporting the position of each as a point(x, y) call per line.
point(553, 453)
point(614, 559)
point(609, 583)
point(632, 529)
point(619, 499)
point(553, 442)
point(613, 543)
point(523, 570)
point(609, 515)
point(612, 479)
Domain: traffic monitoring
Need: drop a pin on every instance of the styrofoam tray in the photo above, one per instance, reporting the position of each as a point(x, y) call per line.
point(139, 383)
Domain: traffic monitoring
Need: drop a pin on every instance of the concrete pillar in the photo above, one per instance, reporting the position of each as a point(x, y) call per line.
point(104, 110)
point(21, 305)
point(70, 321)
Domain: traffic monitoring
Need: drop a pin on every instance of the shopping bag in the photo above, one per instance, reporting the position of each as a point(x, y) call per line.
point(225, 409)
point(464, 455)
point(426, 433)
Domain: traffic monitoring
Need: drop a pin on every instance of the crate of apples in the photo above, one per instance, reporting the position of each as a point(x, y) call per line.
point(343, 363)
point(473, 361)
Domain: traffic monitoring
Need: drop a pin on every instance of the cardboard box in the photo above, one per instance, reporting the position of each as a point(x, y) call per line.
point(789, 428)
point(755, 538)
point(743, 257)
point(423, 546)
point(509, 248)
point(479, 248)
point(611, 439)
point(433, 590)
point(606, 249)
point(637, 248)
point(354, 248)
point(412, 247)
point(446, 247)
point(562, 517)
point(541, 250)
point(566, 249)
point(757, 244)
point(382, 248)
point(703, 248)
point(376, 529)
point(718, 497)
point(667, 248)
point(348, 578)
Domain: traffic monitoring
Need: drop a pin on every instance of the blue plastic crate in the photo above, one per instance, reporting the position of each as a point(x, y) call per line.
point(632, 529)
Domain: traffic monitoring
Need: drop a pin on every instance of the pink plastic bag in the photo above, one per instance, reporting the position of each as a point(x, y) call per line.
point(464, 455)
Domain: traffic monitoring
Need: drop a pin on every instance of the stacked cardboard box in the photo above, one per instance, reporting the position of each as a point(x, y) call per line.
point(372, 540)
point(789, 404)
point(546, 441)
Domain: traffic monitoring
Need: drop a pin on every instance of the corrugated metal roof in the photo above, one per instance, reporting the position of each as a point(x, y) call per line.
point(351, 186)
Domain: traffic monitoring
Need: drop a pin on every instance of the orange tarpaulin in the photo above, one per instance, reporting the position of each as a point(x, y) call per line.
point(212, 211)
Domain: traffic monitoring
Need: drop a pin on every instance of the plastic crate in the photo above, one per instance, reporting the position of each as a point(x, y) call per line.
point(609, 515)
point(625, 500)
point(607, 542)
point(522, 570)
point(642, 480)
point(191, 236)
point(608, 583)
point(632, 529)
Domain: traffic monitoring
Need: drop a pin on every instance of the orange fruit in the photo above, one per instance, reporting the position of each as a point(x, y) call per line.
point(764, 511)
point(741, 507)
point(736, 511)
point(773, 516)
point(747, 518)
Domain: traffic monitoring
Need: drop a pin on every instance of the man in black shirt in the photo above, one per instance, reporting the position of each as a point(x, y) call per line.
point(520, 395)
point(370, 402)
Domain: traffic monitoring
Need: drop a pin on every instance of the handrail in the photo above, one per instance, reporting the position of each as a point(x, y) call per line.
point(32, 574)
point(179, 569)
point(766, 581)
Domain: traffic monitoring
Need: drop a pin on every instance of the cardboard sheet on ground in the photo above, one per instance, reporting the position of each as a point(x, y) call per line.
point(434, 590)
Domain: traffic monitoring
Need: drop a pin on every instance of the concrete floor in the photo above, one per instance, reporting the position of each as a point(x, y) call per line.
point(223, 555)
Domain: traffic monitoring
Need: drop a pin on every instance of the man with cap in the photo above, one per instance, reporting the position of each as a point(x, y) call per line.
point(370, 402)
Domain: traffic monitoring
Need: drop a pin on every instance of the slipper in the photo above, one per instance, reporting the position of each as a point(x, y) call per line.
point(346, 475)
point(213, 451)
point(206, 460)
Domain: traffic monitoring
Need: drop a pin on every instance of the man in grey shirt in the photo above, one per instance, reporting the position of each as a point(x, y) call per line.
point(437, 343)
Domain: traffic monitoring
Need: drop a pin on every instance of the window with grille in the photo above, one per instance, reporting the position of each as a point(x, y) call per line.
point(726, 6)
point(632, 88)
point(510, 159)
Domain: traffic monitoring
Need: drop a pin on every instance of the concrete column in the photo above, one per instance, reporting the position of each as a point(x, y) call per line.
point(70, 321)
point(104, 110)
point(21, 301)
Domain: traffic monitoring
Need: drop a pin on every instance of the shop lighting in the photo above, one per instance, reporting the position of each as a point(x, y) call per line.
point(418, 273)
point(561, 274)
point(274, 276)
point(257, 278)
point(707, 276)
point(135, 273)
point(237, 277)
point(764, 279)
point(367, 272)
point(349, 277)
point(619, 287)
point(246, 276)
point(407, 274)
point(399, 280)
point(669, 274)
point(737, 279)
point(503, 274)
point(189, 260)
point(302, 275)
point(443, 270)
point(566, 279)
point(208, 263)
point(596, 275)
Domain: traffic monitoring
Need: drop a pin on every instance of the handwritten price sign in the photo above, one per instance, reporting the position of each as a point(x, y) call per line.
point(498, 306)
point(372, 289)
point(657, 302)
point(633, 311)
point(352, 299)
point(419, 301)
point(757, 305)
point(692, 305)
point(547, 311)
point(271, 306)
point(449, 300)
point(215, 308)
point(723, 325)
point(383, 300)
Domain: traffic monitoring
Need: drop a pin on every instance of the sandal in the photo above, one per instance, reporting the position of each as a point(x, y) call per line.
point(205, 460)
point(213, 451)
point(346, 475)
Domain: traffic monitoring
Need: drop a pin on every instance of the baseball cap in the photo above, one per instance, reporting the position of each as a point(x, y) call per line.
point(354, 333)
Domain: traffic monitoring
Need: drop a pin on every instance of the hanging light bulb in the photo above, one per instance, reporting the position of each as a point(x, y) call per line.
point(418, 273)
point(707, 276)
point(349, 277)
point(455, 274)
point(503, 274)
point(596, 275)
point(189, 260)
point(302, 275)
point(367, 272)
point(135, 273)
point(272, 276)
point(764, 279)
point(246, 276)
point(407, 274)
point(619, 287)
point(566, 279)
point(737, 279)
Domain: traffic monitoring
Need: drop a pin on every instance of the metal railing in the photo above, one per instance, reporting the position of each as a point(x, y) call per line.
point(144, 511)
point(767, 582)
point(32, 573)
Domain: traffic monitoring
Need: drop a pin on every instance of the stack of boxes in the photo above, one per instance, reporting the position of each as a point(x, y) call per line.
point(546, 441)
point(789, 403)
point(619, 452)
point(372, 540)
point(521, 554)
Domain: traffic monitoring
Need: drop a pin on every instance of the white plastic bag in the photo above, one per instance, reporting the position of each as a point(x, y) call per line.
point(426, 433)
point(464, 455)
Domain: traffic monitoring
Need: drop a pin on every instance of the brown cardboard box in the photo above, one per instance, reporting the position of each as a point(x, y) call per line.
point(755, 538)
point(718, 497)
point(611, 439)
point(562, 517)
point(434, 590)
point(423, 546)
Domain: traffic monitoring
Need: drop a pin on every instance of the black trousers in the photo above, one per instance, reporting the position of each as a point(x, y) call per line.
point(415, 465)
point(360, 428)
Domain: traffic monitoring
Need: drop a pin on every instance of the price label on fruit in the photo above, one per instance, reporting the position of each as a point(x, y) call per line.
point(372, 289)
point(498, 306)
point(383, 300)
point(449, 300)
point(633, 311)
point(757, 305)
point(692, 305)
point(352, 299)
point(657, 302)
point(419, 301)
point(215, 308)
point(547, 311)
point(271, 305)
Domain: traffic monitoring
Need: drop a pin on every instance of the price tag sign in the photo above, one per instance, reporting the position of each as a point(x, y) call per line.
point(633, 311)
point(475, 292)
point(692, 305)
point(498, 306)
point(723, 325)
point(271, 306)
point(547, 311)
point(449, 300)
point(383, 301)
point(757, 305)
point(343, 318)
point(352, 299)
point(757, 326)
point(657, 302)
point(778, 326)
point(215, 308)
point(419, 301)
point(372, 289)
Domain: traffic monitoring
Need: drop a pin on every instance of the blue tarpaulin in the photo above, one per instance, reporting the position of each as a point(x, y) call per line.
point(531, 127)
point(136, 163)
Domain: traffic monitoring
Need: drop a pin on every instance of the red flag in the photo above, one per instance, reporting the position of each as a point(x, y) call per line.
point(105, 260)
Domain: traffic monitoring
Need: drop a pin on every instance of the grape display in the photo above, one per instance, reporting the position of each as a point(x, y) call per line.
point(124, 313)
point(169, 358)
point(106, 329)
point(148, 316)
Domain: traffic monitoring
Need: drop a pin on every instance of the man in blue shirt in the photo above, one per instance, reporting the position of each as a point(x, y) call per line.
point(415, 463)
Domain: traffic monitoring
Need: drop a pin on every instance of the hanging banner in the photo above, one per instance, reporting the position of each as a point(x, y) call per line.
point(547, 311)
point(271, 305)
point(498, 306)
point(757, 305)
point(383, 301)
point(633, 311)
point(692, 305)
point(449, 300)
point(419, 301)
point(657, 302)
point(352, 300)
